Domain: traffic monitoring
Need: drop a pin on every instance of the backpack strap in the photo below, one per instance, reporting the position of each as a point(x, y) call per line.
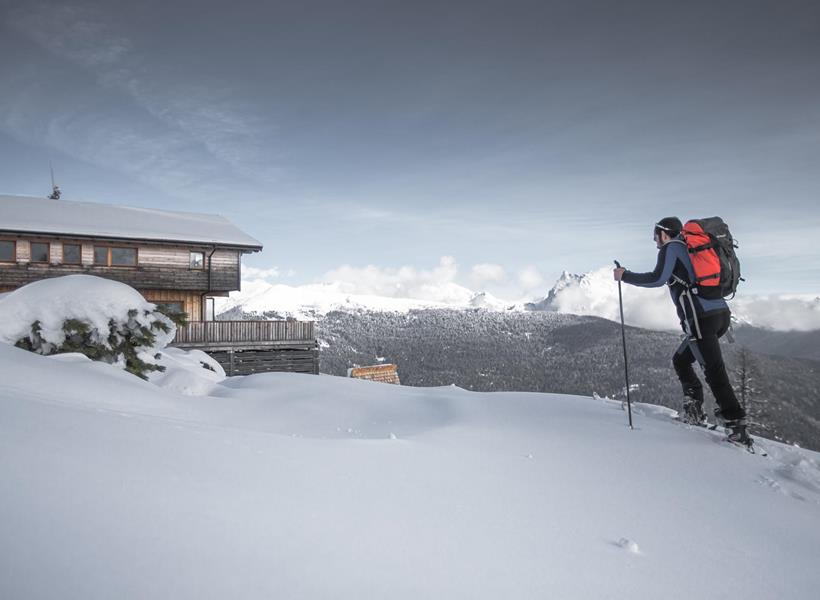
point(697, 249)
point(678, 280)
point(675, 279)
point(689, 343)
point(694, 332)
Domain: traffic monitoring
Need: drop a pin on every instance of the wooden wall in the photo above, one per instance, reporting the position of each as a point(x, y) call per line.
point(23, 251)
point(304, 359)
point(159, 267)
point(380, 373)
point(191, 301)
point(226, 270)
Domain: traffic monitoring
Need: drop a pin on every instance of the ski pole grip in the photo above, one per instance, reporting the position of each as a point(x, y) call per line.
point(617, 264)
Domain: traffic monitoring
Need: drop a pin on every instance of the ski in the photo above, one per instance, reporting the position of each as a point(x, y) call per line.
point(750, 448)
point(713, 427)
point(703, 424)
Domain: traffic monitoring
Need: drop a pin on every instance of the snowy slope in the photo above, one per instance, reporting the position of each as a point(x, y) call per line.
point(298, 486)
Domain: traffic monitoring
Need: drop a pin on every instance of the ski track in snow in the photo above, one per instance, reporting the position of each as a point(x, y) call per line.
point(789, 467)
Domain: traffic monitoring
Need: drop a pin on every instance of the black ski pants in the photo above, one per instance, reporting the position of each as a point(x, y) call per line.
point(712, 328)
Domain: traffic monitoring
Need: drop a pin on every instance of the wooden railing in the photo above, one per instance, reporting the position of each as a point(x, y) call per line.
point(244, 332)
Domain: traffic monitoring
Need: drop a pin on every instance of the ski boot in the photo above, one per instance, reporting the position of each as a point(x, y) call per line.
point(693, 409)
point(737, 434)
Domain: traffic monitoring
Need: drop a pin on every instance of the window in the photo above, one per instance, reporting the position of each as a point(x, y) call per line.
point(72, 254)
point(108, 256)
point(170, 307)
point(8, 251)
point(124, 257)
point(209, 309)
point(173, 309)
point(197, 260)
point(39, 252)
point(101, 255)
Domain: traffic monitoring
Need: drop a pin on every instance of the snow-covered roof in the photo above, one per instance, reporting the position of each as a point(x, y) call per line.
point(29, 214)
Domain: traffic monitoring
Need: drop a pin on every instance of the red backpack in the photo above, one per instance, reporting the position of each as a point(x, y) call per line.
point(712, 250)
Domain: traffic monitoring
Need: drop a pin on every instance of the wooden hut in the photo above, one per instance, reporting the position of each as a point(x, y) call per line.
point(179, 260)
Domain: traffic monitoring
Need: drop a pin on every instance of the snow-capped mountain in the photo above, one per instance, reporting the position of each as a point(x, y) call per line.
point(591, 294)
point(596, 294)
point(313, 301)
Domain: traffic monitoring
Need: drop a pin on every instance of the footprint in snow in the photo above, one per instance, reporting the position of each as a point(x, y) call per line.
point(629, 545)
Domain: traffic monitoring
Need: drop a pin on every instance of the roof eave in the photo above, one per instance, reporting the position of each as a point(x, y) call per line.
point(247, 248)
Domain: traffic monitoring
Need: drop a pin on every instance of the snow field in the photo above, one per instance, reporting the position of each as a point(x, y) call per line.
point(297, 486)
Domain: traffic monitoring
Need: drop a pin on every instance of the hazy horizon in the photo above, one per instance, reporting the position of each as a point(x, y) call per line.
point(487, 144)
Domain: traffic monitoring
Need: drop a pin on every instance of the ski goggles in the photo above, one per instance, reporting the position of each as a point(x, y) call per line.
point(659, 228)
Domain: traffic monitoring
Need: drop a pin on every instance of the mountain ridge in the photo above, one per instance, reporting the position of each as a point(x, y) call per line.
point(593, 294)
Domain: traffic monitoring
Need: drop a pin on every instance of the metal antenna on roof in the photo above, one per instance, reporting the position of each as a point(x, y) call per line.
point(55, 190)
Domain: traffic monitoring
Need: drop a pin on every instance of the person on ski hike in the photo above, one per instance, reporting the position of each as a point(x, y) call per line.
point(705, 321)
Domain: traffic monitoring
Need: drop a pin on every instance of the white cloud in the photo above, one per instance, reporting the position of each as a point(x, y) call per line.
point(486, 273)
point(530, 278)
point(253, 273)
point(594, 293)
point(434, 285)
point(778, 312)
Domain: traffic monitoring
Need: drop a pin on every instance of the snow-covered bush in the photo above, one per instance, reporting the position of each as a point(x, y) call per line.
point(102, 319)
point(187, 372)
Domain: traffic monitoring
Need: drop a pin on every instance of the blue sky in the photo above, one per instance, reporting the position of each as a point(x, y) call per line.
point(524, 138)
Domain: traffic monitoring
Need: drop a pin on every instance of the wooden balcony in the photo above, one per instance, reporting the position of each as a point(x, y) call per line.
point(245, 335)
point(247, 347)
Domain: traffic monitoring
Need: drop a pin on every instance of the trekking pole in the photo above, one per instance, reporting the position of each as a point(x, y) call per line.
point(623, 338)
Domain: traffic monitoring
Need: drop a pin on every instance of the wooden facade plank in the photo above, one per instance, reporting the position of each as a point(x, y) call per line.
point(140, 277)
point(191, 301)
point(23, 251)
point(159, 267)
point(245, 332)
point(247, 362)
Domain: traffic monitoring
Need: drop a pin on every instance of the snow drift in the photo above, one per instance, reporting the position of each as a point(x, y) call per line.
point(300, 486)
